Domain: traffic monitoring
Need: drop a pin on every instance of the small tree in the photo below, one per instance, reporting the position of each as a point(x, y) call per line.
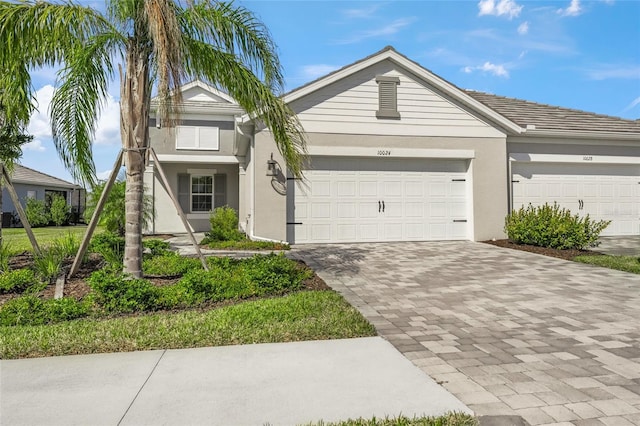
point(112, 217)
point(59, 210)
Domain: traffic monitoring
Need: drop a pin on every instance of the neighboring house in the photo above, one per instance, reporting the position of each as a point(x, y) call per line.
point(396, 154)
point(30, 183)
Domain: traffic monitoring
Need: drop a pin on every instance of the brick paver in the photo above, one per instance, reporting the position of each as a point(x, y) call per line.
point(507, 332)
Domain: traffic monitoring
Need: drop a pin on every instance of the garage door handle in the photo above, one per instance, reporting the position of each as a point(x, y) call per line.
point(382, 206)
point(379, 207)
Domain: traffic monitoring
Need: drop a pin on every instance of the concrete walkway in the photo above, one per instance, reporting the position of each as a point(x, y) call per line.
point(507, 332)
point(279, 384)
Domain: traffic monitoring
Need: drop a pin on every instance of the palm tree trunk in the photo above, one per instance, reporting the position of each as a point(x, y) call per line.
point(135, 94)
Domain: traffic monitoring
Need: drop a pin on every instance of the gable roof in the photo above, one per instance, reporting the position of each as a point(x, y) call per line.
point(389, 53)
point(516, 116)
point(226, 105)
point(22, 174)
point(532, 115)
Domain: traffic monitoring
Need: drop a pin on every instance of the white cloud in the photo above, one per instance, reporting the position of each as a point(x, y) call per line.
point(386, 30)
point(633, 104)
point(488, 67)
point(508, 8)
point(311, 72)
point(107, 129)
point(35, 145)
point(39, 125)
point(574, 9)
point(610, 71)
point(103, 175)
point(365, 12)
point(523, 28)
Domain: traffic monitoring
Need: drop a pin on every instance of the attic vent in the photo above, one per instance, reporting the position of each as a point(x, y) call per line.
point(387, 97)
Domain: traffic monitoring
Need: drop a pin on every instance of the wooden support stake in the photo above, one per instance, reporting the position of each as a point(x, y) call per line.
point(19, 209)
point(84, 245)
point(165, 184)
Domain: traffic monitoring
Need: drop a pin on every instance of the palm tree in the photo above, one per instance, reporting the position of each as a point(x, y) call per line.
point(160, 43)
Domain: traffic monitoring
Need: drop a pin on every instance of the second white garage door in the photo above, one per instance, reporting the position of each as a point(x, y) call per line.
point(354, 200)
point(603, 191)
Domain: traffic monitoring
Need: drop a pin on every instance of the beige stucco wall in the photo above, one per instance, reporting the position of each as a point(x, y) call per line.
point(269, 215)
point(573, 146)
point(487, 171)
point(167, 219)
point(163, 140)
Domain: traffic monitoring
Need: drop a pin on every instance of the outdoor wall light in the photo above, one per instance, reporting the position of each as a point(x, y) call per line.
point(272, 167)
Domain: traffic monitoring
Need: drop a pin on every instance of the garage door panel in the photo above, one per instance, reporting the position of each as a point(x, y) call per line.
point(420, 196)
point(603, 191)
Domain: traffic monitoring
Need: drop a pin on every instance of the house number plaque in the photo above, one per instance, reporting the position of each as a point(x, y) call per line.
point(384, 152)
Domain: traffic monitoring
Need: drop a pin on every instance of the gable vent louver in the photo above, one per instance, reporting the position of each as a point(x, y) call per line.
point(387, 97)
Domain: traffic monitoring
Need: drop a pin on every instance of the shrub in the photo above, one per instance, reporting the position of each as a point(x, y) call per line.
point(36, 212)
point(170, 264)
point(553, 227)
point(5, 255)
point(66, 245)
point(17, 281)
point(156, 246)
point(214, 285)
point(274, 273)
point(110, 246)
point(116, 293)
point(31, 310)
point(59, 210)
point(224, 226)
point(48, 263)
point(238, 279)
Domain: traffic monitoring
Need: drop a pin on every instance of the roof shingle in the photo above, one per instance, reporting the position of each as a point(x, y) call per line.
point(549, 117)
point(22, 174)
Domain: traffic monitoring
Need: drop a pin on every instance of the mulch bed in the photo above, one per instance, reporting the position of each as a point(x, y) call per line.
point(78, 288)
point(561, 254)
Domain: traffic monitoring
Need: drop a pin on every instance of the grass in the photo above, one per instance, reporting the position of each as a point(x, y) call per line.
point(621, 263)
point(450, 419)
point(19, 242)
point(307, 315)
point(246, 245)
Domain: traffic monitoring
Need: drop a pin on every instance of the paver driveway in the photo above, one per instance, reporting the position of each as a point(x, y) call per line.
point(508, 332)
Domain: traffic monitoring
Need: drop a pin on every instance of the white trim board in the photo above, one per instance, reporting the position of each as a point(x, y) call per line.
point(390, 152)
point(577, 159)
point(216, 159)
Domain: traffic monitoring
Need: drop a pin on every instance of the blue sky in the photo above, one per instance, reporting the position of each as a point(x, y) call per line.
point(572, 53)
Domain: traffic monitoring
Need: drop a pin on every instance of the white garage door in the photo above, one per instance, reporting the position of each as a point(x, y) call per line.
point(354, 200)
point(604, 191)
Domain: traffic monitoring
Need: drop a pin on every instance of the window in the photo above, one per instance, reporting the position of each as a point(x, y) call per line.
point(387, 97)
point(198, 193)
point(200, 138)
point(201, 193)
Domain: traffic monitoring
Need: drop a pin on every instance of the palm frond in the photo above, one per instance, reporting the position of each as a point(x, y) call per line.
point(78, 101)
point(166, 37)
point(236, 30)
point(256, 98)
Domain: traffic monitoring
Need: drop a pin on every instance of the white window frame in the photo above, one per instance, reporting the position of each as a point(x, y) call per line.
point(198, 130)
point(191, 193)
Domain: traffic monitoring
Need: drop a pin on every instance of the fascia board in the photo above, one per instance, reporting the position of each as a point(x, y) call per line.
point(582, 134)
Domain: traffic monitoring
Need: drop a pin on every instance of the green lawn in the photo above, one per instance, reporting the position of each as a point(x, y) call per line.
point(621, 263)
point(19, 242)
point(306, 315)
point(451, 419)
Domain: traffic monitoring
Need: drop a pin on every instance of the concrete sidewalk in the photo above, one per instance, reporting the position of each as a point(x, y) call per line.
point(279, 384)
